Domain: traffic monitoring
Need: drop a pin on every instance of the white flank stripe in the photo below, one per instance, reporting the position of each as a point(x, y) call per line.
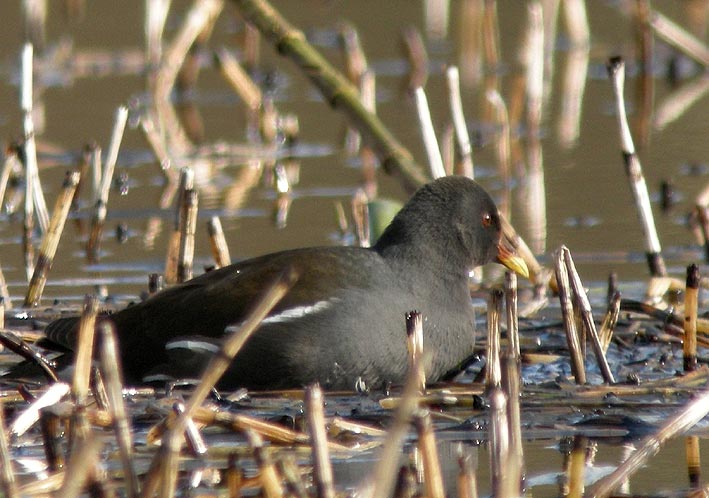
point(297, 312)
point(193, 345)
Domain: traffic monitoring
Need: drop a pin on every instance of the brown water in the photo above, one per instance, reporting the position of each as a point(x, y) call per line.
point(588, 205)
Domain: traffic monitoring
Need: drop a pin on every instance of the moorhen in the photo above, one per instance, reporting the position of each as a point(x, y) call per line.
point(342, 323)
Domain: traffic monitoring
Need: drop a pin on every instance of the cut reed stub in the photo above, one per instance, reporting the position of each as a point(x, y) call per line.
point(7, 474)
point(512, 315)
point(703, 218)
point(567, 311)
point(467, 479)
point(112, 373)
point(84, 349)
point(156, 282)
point(694, 467)
point(50, 242)
point(493, 376)
point(414, 341)
point(433, 478)
point(218, 244)
point(584, 308)
point(188, 223)
point(322, 475)
point(691, 299)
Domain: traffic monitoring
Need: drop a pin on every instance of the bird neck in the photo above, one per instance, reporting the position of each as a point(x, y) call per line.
point(431, 258)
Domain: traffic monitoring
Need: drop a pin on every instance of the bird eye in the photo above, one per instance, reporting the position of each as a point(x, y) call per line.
point(487, 220)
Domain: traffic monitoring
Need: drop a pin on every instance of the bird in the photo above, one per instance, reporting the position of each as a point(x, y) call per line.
point(342, 323)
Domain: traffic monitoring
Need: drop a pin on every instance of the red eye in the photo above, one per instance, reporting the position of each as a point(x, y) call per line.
point(487, 220)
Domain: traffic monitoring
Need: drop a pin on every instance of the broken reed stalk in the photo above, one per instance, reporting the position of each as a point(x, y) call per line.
point(605, 334)
point(679, 38)
point(383, 480)
point(283, 196)
point(7, 474)
point(9, 166)
point(493, 372)
point(79, 470)
point(11, 341)
point(368, 159)
point(217, 241)
point(502, 136)
point(95, 167)
point(703, 218)
point(84, 350)
point(239, 79)
point(574, 85)
point(678, 103)
point(234, 476)
point(34, 15)
point(155, 18)
point(646, 81)
point(34, 198)
point(447, 141)
point(691, 298)
point(268, 475)
point(112, 374)
point(649, 446)
point(235, 339)
point(201, 15)
point(50, 242)
point(355, 68)
point(289, 470)
point(667, 317)
point(49, 426)
point(512, 317)
point(322, 468)
point(99, 389)
point(101, 206)
point(156, 144)
point(195, 441)
point(534, 60)
point(467, 480)
point(188, 227)
point(186, 183)
point(455, 103)
point(414, 342)
point(336, 89)
point(190, 68)
point(360, 217)
point(433, 479)
point(30, 415)
point(355, 58)
point(511, 387)
point(633, 170)
point(417, 56)
point(428, 134)
point(576, 467)
point(694, 467)
point(156, 283)
point(587, 316)
point(567, 313)
point(499, 444)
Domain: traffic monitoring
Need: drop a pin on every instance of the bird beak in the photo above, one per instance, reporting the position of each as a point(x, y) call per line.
point(507, 255)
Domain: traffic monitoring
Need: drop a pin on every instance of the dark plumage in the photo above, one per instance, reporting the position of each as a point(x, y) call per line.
point(343, 320)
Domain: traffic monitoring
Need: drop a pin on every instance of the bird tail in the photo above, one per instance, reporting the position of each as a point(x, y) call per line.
point(63, 331)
